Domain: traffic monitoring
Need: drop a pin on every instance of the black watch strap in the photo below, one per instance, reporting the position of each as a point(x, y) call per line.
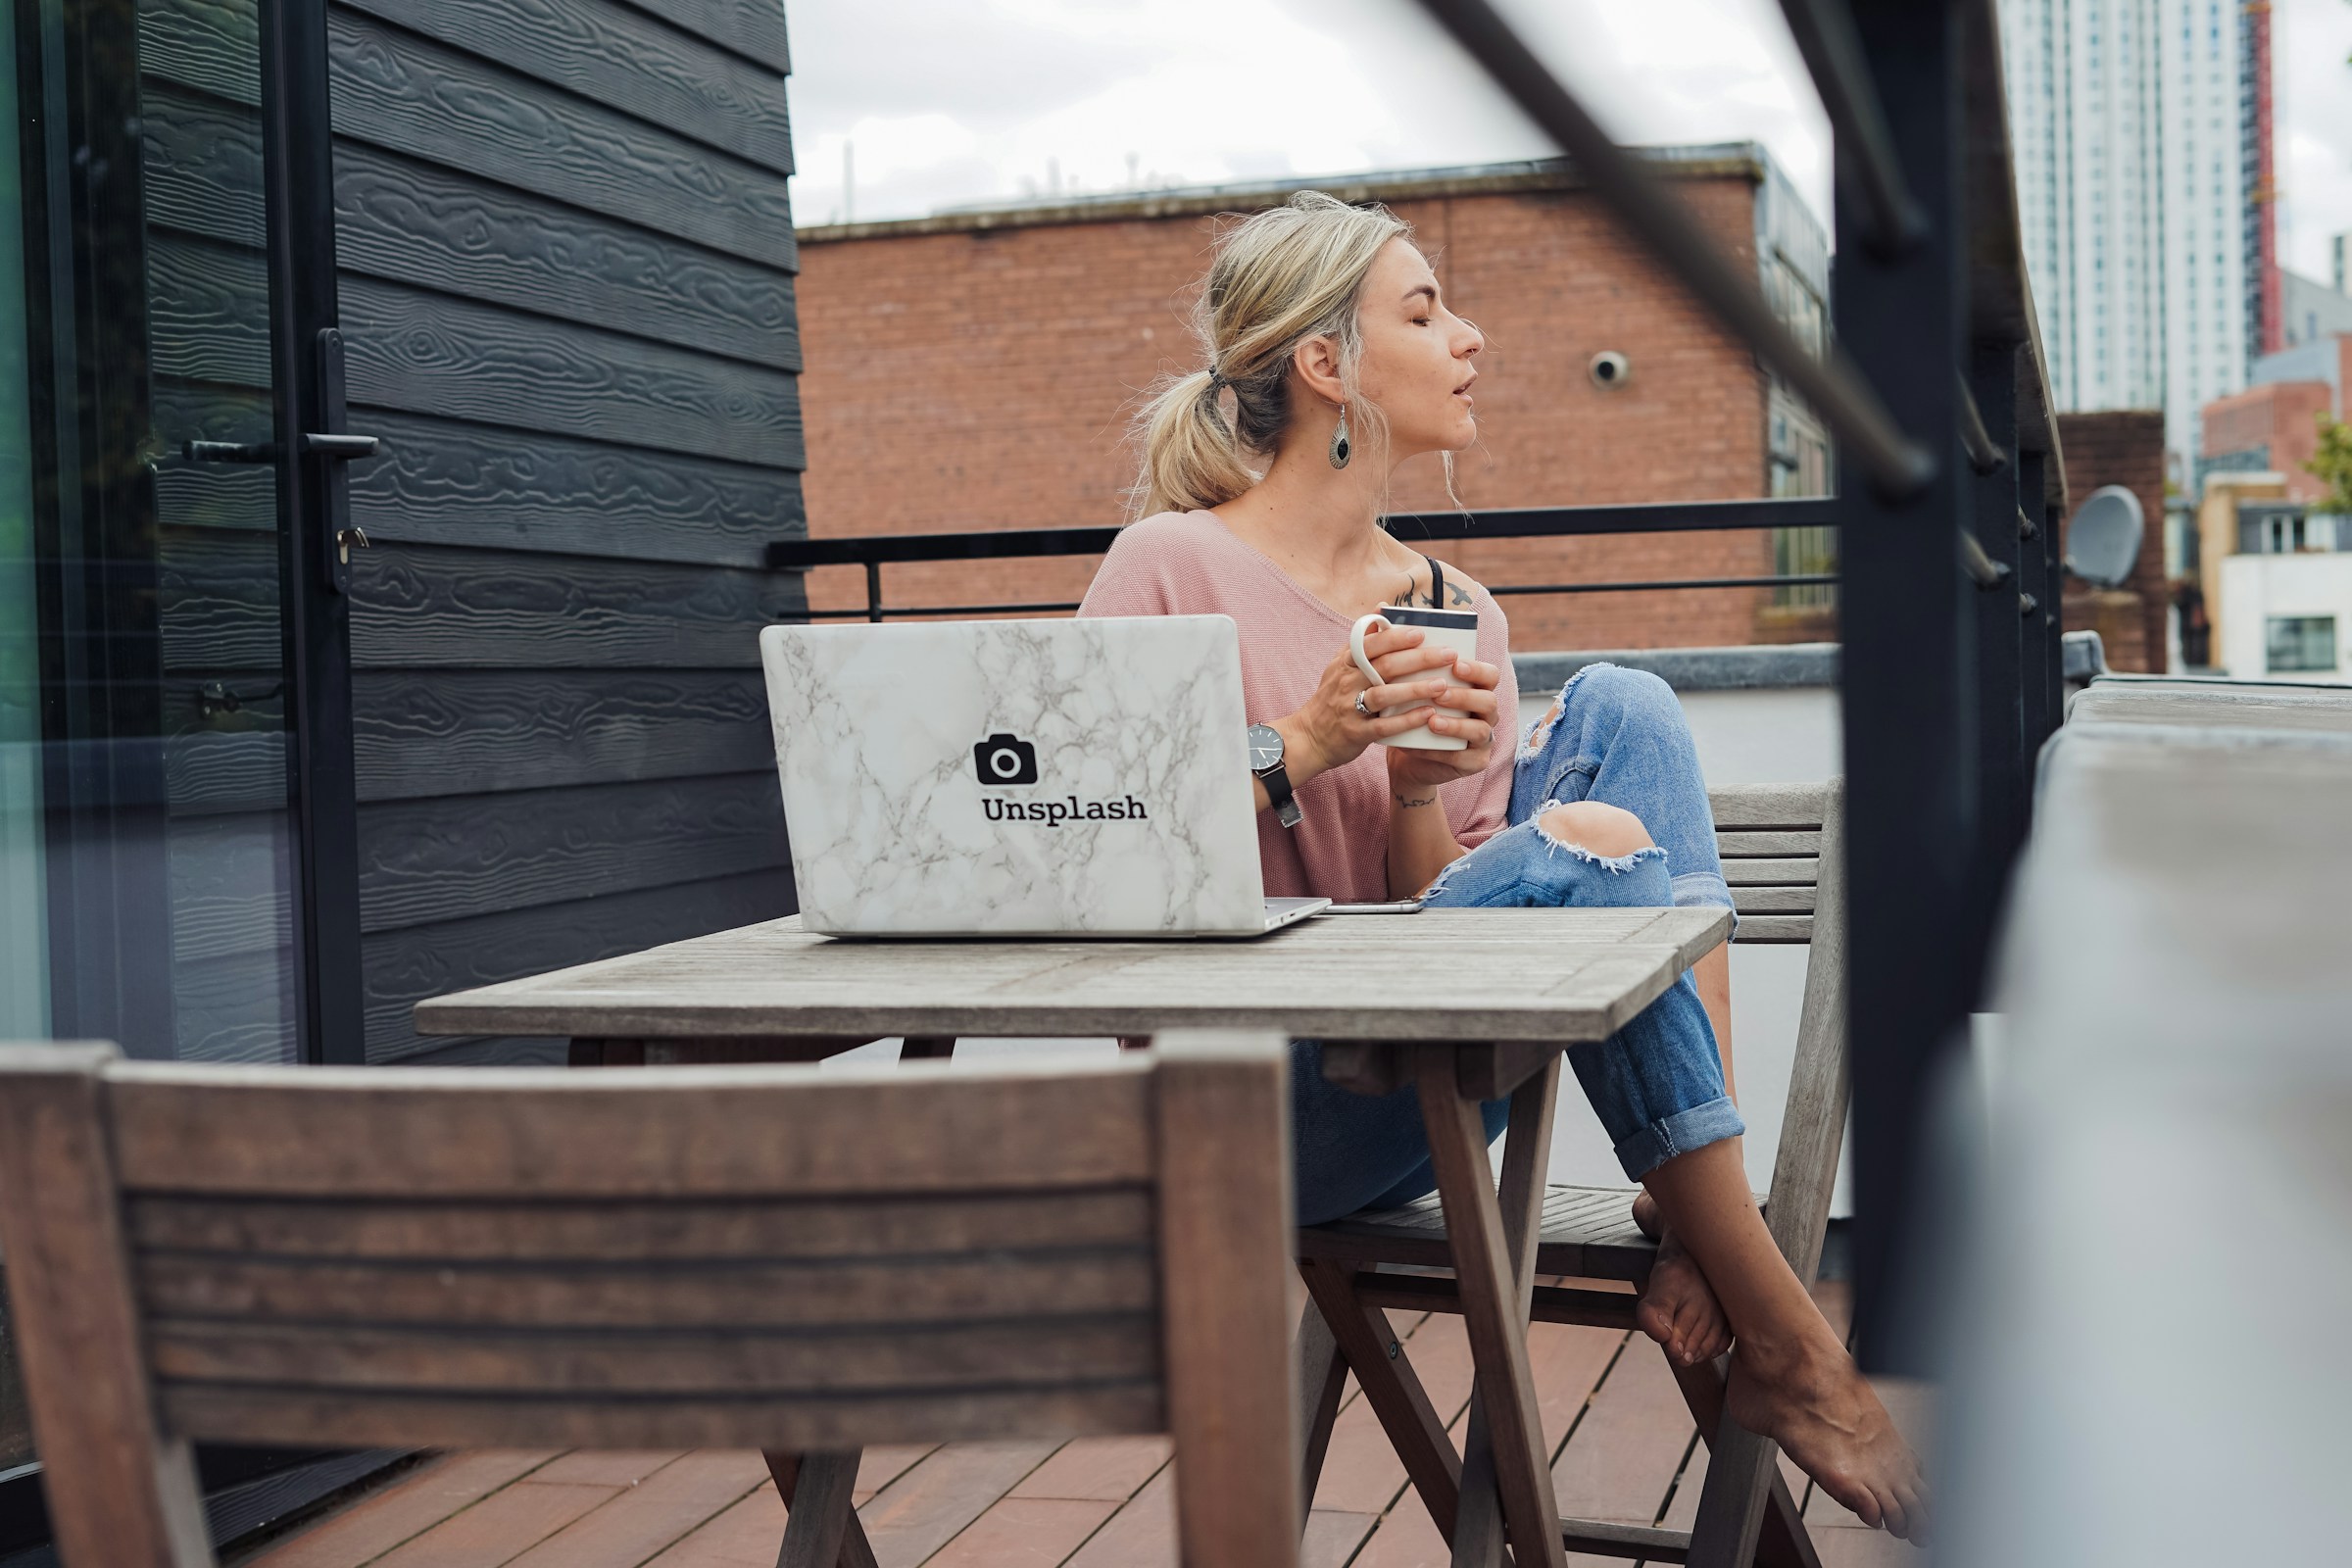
point(1280, 796)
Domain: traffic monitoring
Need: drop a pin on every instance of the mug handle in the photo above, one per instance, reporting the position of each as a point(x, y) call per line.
point(1356, 634)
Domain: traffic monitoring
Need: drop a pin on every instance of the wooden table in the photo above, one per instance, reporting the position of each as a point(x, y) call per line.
point(1465, 1005)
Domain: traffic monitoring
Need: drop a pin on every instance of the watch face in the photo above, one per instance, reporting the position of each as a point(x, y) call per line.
point(1265, 747)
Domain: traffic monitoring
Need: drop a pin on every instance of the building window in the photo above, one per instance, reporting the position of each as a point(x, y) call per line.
point(2300, 644)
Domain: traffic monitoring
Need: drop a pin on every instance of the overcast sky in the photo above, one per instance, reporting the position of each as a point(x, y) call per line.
point(955, 101)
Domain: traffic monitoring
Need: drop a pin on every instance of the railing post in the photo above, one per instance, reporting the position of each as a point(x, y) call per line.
point(2036, 593)
point(2000, 644)
point(1907, 620)
point(873, 590)
point(2053, 614)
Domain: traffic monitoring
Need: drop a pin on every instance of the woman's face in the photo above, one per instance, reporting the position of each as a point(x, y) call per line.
point(1417, 355)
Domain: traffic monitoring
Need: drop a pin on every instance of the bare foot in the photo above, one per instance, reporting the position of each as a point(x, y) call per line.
point(1813, 1402)
point(1679, 1309)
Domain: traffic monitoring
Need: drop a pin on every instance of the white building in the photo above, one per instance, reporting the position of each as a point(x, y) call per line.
point(2286, 614)
point(2125, 117)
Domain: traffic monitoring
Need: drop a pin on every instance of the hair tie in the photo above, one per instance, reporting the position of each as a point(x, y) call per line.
point(1216, 380)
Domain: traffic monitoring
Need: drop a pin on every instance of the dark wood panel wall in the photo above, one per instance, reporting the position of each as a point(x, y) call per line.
point(568, 289)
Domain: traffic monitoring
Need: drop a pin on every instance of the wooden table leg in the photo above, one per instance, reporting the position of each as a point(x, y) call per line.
point(821, 1527)
point(1496, 1272)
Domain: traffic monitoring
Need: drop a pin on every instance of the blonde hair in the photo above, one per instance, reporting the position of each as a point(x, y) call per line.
point(1280, 277)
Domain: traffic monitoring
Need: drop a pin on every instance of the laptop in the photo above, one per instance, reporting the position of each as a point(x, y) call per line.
point(1066, 778)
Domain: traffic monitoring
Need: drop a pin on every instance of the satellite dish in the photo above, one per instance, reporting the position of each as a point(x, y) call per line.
point(2102, 543)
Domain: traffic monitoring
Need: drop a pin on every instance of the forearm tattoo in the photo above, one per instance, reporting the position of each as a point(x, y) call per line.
point(1412, 802)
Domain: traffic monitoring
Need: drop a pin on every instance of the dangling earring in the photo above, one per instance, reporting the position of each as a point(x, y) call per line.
point(1339, 441)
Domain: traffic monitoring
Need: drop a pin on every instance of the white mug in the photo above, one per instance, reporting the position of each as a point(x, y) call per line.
point(1457, 629)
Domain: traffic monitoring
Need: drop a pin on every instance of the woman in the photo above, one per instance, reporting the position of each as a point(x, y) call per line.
point(1325, 331)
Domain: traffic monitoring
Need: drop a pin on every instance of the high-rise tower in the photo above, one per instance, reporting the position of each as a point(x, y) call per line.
point(2128, 125)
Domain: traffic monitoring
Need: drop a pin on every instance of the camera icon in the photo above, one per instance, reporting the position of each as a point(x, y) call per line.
point(1004, 758)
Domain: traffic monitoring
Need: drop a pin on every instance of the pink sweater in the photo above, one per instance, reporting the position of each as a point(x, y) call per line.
point(1190, 564)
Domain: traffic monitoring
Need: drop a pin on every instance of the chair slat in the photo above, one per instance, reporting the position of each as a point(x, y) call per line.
point(917, 1290)
point(1778, 843)
point(1768, 805)
point(627, 1230)
point(1772, 901)
point(1035, 1352)
point(696, 1131)
point(335, 1419)
point(1775, 930)
point(1790, 871)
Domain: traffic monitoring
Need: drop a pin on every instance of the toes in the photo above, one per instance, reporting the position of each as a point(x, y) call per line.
point(1861, 1499)
point(1914, 1508)
point(1656, 1322)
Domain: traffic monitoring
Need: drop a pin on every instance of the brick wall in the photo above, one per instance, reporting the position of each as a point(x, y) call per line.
point(982, 379)
point(2280, 418)
point(2125, 448)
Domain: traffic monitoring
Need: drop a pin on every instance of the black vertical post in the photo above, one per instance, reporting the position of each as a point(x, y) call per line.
point(2054, 612)
point(2034, 590)
point(1909, 683)
point(1999, 639)
point(298, 182)
point(873, 590)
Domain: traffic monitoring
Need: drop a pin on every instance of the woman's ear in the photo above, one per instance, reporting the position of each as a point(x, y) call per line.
point(1317, 361)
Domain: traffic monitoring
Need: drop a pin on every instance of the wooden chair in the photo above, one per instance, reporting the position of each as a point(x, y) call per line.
point(1783, 852)
point(746, 1257)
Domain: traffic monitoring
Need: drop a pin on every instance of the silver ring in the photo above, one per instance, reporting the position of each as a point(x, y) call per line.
point(1359, 704)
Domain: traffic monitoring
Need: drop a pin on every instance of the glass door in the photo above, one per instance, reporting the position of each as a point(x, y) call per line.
point(177, 854)
point(178, 779)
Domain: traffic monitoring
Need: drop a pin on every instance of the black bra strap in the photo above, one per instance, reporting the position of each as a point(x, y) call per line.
point(1437, 583)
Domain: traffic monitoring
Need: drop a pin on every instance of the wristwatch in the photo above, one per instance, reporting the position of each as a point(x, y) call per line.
point(1265, 760)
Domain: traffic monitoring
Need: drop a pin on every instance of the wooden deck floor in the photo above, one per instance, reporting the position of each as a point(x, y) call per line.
point(1623, 1448)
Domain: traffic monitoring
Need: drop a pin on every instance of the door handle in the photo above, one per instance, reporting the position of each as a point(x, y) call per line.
point(337, 447)
point(341, 447)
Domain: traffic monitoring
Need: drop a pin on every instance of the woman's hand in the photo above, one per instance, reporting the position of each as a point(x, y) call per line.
point(1415, 774)
point(1330, 731)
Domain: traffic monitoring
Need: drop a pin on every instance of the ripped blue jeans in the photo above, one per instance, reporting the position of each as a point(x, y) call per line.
point(1619, 738)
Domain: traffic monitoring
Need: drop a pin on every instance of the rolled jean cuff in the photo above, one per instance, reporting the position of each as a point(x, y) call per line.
point(1705, 886)
point(1678, 1134)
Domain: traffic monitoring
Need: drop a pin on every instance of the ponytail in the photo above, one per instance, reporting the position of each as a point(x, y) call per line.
point(1280, 277)
point(1191, 459)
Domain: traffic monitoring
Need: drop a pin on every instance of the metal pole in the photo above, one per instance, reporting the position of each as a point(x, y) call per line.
point(1989, 394)
point(1909, 699)
point(873, 590)
point(1873, 437)
point(2053, 613)
point(2034, 590)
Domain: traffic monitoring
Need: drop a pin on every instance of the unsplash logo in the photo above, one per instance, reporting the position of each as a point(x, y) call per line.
point(1004, 758)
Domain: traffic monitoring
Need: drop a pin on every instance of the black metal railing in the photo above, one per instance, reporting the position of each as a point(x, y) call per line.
point(1940, 398)
point(873, 552)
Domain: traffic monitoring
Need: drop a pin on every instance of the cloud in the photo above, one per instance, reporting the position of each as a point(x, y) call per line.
point(2311, 76)
point(978, 100)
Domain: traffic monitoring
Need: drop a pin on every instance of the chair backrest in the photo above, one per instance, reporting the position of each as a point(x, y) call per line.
point(1769, 836)
point(751, 1257)
point(1784, 854)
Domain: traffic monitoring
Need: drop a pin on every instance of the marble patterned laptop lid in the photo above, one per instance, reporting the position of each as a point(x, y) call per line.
point(1004, 777)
